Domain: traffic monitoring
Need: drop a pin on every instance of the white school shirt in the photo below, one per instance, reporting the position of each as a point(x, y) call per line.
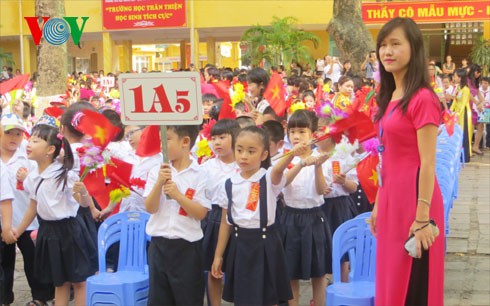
point(167, 222)
point(450, 90)
point(21, 199)
point(485, 94)
point(240, 190)
point(6, 192)
point(301, 192)
point(140, 170)
point(53, 203)
point(347, 163)
point(76, 158)
point(216, 173)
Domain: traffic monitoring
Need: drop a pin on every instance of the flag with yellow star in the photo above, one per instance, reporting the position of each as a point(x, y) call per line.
point(368, 176)
point(274, 94)
point(97, 126)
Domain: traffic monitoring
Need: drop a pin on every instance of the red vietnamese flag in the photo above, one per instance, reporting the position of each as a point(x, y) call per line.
point(227, 111)
point(17, 82)
point(54, 112)
point(149, 144)
point(368, 176)
point(119, 172)
point(97, 126)
point(356, 126)
point(274, 94)
point(449, 119)
point(319, 94)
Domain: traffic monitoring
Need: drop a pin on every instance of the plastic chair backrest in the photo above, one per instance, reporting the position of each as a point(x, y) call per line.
point(364, 215)
point(354, 237)
point(129, 229)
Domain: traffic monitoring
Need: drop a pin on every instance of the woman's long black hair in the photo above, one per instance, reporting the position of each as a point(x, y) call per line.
point(417, 75)
point(51, 135)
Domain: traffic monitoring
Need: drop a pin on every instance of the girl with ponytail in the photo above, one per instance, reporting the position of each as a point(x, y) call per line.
point(61, 255)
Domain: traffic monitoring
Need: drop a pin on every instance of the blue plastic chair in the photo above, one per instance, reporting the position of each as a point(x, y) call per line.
point(355, 238)
point(364, 215)
point(130, 284)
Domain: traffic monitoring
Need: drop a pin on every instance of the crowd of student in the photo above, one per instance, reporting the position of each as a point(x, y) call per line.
point(265, 224)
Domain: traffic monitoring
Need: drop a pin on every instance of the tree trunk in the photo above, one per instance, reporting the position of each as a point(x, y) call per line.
point(51, 60)
point(351, 35)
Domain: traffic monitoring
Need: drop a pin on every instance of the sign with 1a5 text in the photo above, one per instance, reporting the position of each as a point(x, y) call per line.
point(161, 98)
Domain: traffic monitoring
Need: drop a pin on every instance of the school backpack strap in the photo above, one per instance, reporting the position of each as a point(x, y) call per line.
point(38, 185)
point(230, 199)
point(263, 202)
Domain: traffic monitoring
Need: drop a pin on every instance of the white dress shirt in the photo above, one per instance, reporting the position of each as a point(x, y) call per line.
point(240, 190)
point(216, 173)
point(21, 199)
point(301, 192)
point(6, 190)
point(53, 203)
point(167, 222)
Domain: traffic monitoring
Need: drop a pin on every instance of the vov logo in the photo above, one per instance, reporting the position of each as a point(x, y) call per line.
point(56, 31)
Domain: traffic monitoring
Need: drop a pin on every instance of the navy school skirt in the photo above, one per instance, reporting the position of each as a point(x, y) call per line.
point(256, 269)
point(307, 242)
point(338, 210)
point(89, 225)
point(210, 239)
point(63, 251)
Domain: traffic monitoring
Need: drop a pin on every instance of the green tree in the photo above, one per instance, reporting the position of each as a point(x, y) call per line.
point(279, 43)
point(480, 54)
point(349, 32)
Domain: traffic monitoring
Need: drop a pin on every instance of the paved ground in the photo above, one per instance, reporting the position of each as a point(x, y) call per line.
point(467, 278)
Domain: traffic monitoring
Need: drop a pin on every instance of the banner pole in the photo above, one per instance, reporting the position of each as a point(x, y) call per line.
point(163, 138)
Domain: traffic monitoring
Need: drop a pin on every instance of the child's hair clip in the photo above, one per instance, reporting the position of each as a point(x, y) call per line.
point(75, 121)
point(59, 136)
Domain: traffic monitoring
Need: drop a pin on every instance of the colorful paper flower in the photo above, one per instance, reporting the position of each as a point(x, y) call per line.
point(203, 148)
point(297, 106)
point(206, 129)
point(91, 157)
point(238, 94)
point(329, 111)
point(119, 193)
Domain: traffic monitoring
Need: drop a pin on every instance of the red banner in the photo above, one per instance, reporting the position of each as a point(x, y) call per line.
point(427, 11)
point(142, 14)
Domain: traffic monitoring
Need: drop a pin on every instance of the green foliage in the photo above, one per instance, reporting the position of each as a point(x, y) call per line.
point(6, 58)
point(279, 43)
point(480, 53)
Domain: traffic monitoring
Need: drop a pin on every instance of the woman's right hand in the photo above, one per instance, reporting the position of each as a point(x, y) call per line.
point(372, 223)
point(216, 268)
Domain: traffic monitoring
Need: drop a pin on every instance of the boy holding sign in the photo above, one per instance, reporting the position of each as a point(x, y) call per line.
point(174, 196)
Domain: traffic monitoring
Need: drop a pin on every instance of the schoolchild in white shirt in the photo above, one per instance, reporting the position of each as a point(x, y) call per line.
point(141, 169)
point(304, 230)
point(87, 215)
point(341, 177)
point(14, 161)
point(174, 196)
point(256, 270)
point(55, 196)
point(6, 197)
point(217, 171)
